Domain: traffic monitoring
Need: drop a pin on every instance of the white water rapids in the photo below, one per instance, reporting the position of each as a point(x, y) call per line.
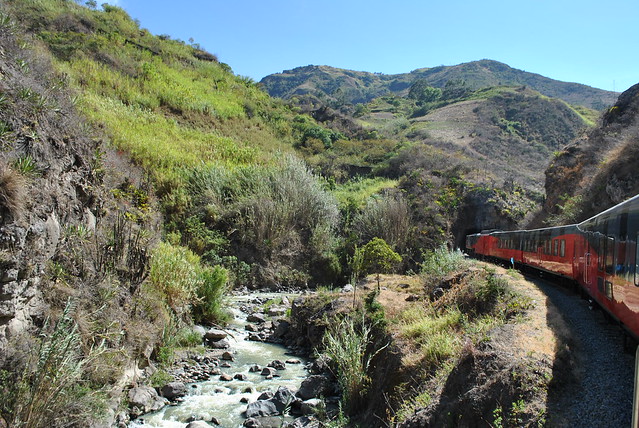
point(221, 399)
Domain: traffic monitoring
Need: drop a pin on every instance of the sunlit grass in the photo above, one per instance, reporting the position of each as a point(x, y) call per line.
point(360, 190)
point(158, 143)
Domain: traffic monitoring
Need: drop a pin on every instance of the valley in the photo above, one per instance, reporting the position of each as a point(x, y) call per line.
point(143, 184)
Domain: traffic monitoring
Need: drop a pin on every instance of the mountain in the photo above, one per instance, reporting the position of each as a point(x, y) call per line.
point(598, 170)
point(348, 86)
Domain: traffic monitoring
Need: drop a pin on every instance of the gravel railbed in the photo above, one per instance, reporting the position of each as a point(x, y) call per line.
point(603, 393)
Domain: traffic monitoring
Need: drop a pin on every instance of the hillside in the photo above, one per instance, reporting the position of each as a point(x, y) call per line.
point(598, 170)
point(330, 84)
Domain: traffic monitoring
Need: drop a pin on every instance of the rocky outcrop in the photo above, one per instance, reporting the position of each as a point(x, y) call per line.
point(597, 170)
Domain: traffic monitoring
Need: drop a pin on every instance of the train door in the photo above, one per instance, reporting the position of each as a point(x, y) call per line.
point(586, 261)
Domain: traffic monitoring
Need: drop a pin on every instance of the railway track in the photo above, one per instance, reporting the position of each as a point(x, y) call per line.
point(602, 392)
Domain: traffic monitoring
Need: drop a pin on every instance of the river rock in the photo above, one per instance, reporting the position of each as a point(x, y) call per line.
point(281, 328)
point(268, 371)
point(348, 288)
point(277, 365)
point(256, 317)
point(173, 390)
point(283, 398)
point(251, 327)
point(215, 334)
point(219, 344)
point(244, 400)
point(254, 368)
point(310, 407)
point(266, 395)
point(240, 376)
point(227, 356)
point(251, 423)
point(215, 421)
point(199, 330)
point(276, 311)
point(261, 408)
point(314, 386)
point(226, 377)
point(145, 399)
point(303, 422)
point(293, 361)
point(198, 424)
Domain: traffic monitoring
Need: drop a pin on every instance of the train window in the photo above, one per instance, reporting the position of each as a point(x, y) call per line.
point(556, 249)
point(610, 256)
point(608, 289)
point(601, 251)
point(562, 248)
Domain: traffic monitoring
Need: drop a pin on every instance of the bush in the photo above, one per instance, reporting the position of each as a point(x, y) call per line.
point(210, 292)
point(175, 273)
point(441, 262)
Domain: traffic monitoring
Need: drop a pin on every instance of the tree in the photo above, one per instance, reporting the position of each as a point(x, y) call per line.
point(376, 257)
point(422, 92)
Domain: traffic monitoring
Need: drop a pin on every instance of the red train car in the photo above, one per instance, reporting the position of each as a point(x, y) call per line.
point(600, 254)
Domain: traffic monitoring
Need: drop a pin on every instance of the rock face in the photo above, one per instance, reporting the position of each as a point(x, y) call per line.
point(597, 170)
point(315, 386)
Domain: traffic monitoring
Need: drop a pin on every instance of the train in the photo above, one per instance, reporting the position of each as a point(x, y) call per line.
point(599, 256)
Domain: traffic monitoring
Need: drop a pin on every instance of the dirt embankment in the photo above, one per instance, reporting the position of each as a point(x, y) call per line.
point(511, 377)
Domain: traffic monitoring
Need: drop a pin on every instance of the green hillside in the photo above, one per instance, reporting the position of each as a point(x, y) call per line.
point(335, 85)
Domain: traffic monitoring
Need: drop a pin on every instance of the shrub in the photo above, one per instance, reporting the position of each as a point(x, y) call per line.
point(174, 272)
point(387, 217)
point(441, 262)
point(210, 292)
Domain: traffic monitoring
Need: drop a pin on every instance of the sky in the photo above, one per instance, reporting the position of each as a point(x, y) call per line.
point(593, 42)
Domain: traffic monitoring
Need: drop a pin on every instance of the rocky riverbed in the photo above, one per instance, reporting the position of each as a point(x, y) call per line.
point(246, 378)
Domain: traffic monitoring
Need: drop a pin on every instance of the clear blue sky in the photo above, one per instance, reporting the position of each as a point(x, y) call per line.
point(593, 42)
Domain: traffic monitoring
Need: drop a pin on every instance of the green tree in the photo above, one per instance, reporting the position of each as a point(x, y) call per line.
point(455, 89)
point(422, 92)
point(376, 257)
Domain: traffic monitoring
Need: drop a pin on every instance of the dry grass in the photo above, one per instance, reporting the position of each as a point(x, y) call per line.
point(12, 193)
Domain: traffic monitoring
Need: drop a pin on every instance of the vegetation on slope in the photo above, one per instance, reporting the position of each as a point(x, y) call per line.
point(598, 170)
point(336, 86)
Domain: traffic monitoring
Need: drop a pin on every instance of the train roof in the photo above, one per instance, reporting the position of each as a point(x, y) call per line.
point(627, 206)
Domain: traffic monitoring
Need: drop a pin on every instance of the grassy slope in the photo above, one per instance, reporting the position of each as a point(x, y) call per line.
point(168, 104)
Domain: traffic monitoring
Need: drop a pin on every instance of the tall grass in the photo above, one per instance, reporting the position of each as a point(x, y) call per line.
point(346, 344)
point(50, 392)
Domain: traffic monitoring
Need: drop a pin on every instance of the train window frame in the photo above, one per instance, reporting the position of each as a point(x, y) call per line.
point(601, 256)
point(610, 255)
point(637, 261)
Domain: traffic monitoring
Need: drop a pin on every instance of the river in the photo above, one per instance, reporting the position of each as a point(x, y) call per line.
point(219, 399)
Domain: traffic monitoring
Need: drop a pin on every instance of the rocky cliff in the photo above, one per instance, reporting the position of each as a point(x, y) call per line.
point(597, 170)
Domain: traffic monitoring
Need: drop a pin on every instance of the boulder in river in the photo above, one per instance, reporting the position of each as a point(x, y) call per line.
point(268, 371)
point(283, 398)
point(314, 386)
point(256, 317)
point(227, 356)
point(277, 365)
point(215, 334)
point(219, 344)
point(303, 422)
point(261, 408)
point(198, 424)
point(145, 399)
point(173, 390)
